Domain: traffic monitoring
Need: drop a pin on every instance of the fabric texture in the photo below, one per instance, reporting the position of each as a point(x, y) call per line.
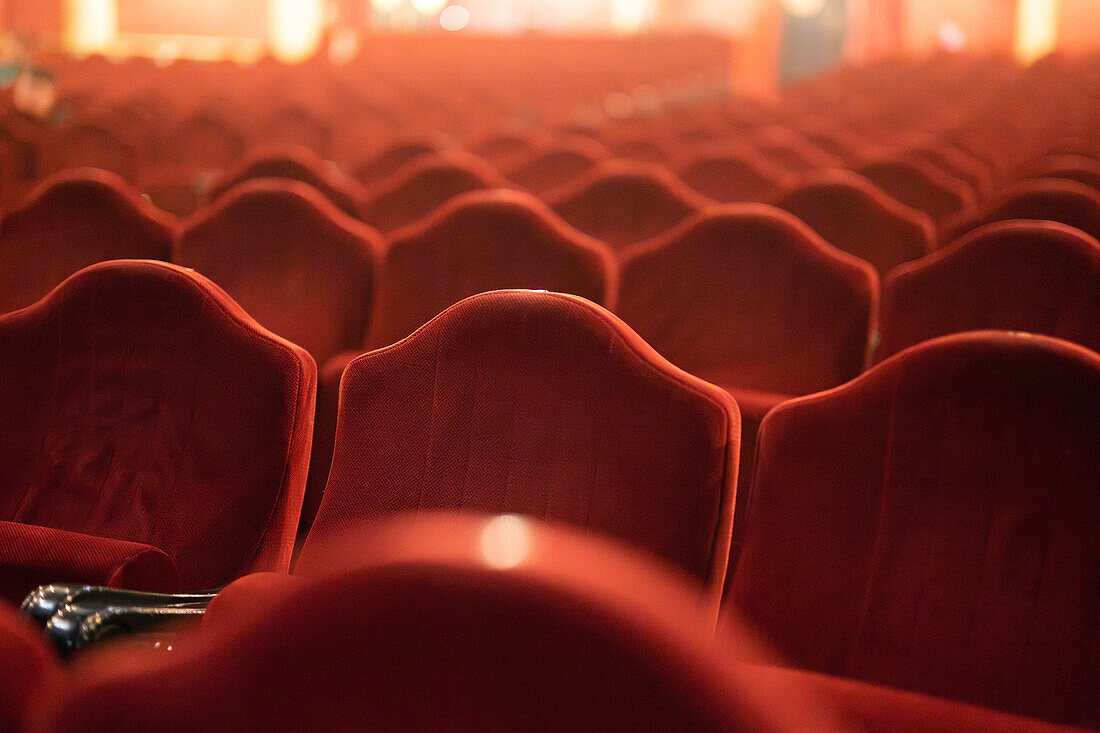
point(31, 556)
point(73, 220)
point(921, 185)
point(729, 175)
point(140, 403)
point(1035, 276)
point(854, 215)
point(1067, 202)
point(932, 526)
point(559, 164)
point(546, 405)
point(29, 669)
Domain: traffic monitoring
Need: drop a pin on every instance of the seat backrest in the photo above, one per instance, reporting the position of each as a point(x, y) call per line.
point(1034, 276)
point(729, 176)
point(854, 215)
point(291, 259)
point(454, 623)
point(72, 220)
point(748, 295)
point(393, 158)
point(204, 141)
point(934, 525)
point(28, 668)
point(622, 203)
point(419, 188)
point(559, 164)
point(1050, 199)
point(542, 404)
point(481, 241)
point(90, 145)
point(921, 185)
point(296, 164)
point(140, 403)
point(955, 162)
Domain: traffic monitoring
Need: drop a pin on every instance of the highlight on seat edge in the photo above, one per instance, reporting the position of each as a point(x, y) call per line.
point(513, 365)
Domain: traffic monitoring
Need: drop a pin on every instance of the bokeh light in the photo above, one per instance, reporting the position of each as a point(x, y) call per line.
point(505, 541)
point(454, 18)
point(804, 8)
point(296, 28)
point(428, 7)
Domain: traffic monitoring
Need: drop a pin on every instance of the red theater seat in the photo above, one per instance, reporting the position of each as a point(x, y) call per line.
point(728, 175)
point(142, 407)
point(1080, 168)
point(203, 142)
point(933, 526)
point(28, 669)
point(558, 165)
point(1040, 277)
point(749, 298)
point(958, 164)
point(921, 186)
point(395, 157)
point(291, 259)
point(792, 152)
point(72, 220)
point(1067, 202)
point(454, 623)
point(623, 203)
point(417, 189)
point(542, 404)
point(296, 164)
point(854, 215)
point(90, 145)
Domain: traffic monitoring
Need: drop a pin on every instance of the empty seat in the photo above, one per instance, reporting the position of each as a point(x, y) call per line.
point(920, 185)
point(541, 404)
point(72, 220)
point(417, 189)
point(1068, 202)
point(1040, 277)
point(624, 203)
point(955, 162)
point(558, 165)
point(1080, 168)
point(749, 298)
point(291, 259)
point(933, 526)
point(90, 145)
point(395, 157)
point(296, 164)
point(854, 215)
point(448, 623)
point(792, 152)
point(204, 141)
point(728, 175)
point(146, 415)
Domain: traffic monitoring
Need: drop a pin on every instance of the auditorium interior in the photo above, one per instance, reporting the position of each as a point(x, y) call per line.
point(550, 365)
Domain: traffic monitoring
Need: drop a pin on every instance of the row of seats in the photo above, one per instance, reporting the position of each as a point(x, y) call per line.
point(888, 518)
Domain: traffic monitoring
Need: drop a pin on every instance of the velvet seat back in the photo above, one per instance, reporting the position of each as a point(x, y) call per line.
point(542, 404)
point(481, 241)
point(140, 403)
point(748, 296)
point(291, 259)
point(921, 185)
point(854, 215)
point(934, 525)
point(1034, 276)
point(73, 220)
point(729, 176)
point(1067, 202)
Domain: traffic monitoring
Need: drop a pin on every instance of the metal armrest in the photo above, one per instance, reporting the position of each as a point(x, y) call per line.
point(46, 600)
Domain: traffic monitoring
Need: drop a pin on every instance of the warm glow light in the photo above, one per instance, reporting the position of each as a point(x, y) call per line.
point(428, 7)
point(90, 25)
point(803, 8)
point(630, 16)
point(295, 29)
point(951, 36)
point(505, 541)
point(1036, 29)
point(454, 18)
point(385, 6)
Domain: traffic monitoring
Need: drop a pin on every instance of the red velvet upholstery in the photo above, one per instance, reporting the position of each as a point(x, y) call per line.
point(416, 190)
point(955, 162)
point(291, 259)
point(728, 176)
point(448, 624)
point(395, 157)
point(558, 165)
point(29, 554)
point(297, 164)
point(748, 297)
point(1035, 276)
point(1080, 168)
point(140, 403)
point(480, 241)
point(792, 152)
point(90, 144)
point(624, 203)
point(1050, 199)
point(543, 404)
point(854, 215)
point(921, 185)
point(933, 526)
point(28, 668)
point(72, 220)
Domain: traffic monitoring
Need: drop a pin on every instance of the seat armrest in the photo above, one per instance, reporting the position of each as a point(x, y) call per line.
point(78, 626)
